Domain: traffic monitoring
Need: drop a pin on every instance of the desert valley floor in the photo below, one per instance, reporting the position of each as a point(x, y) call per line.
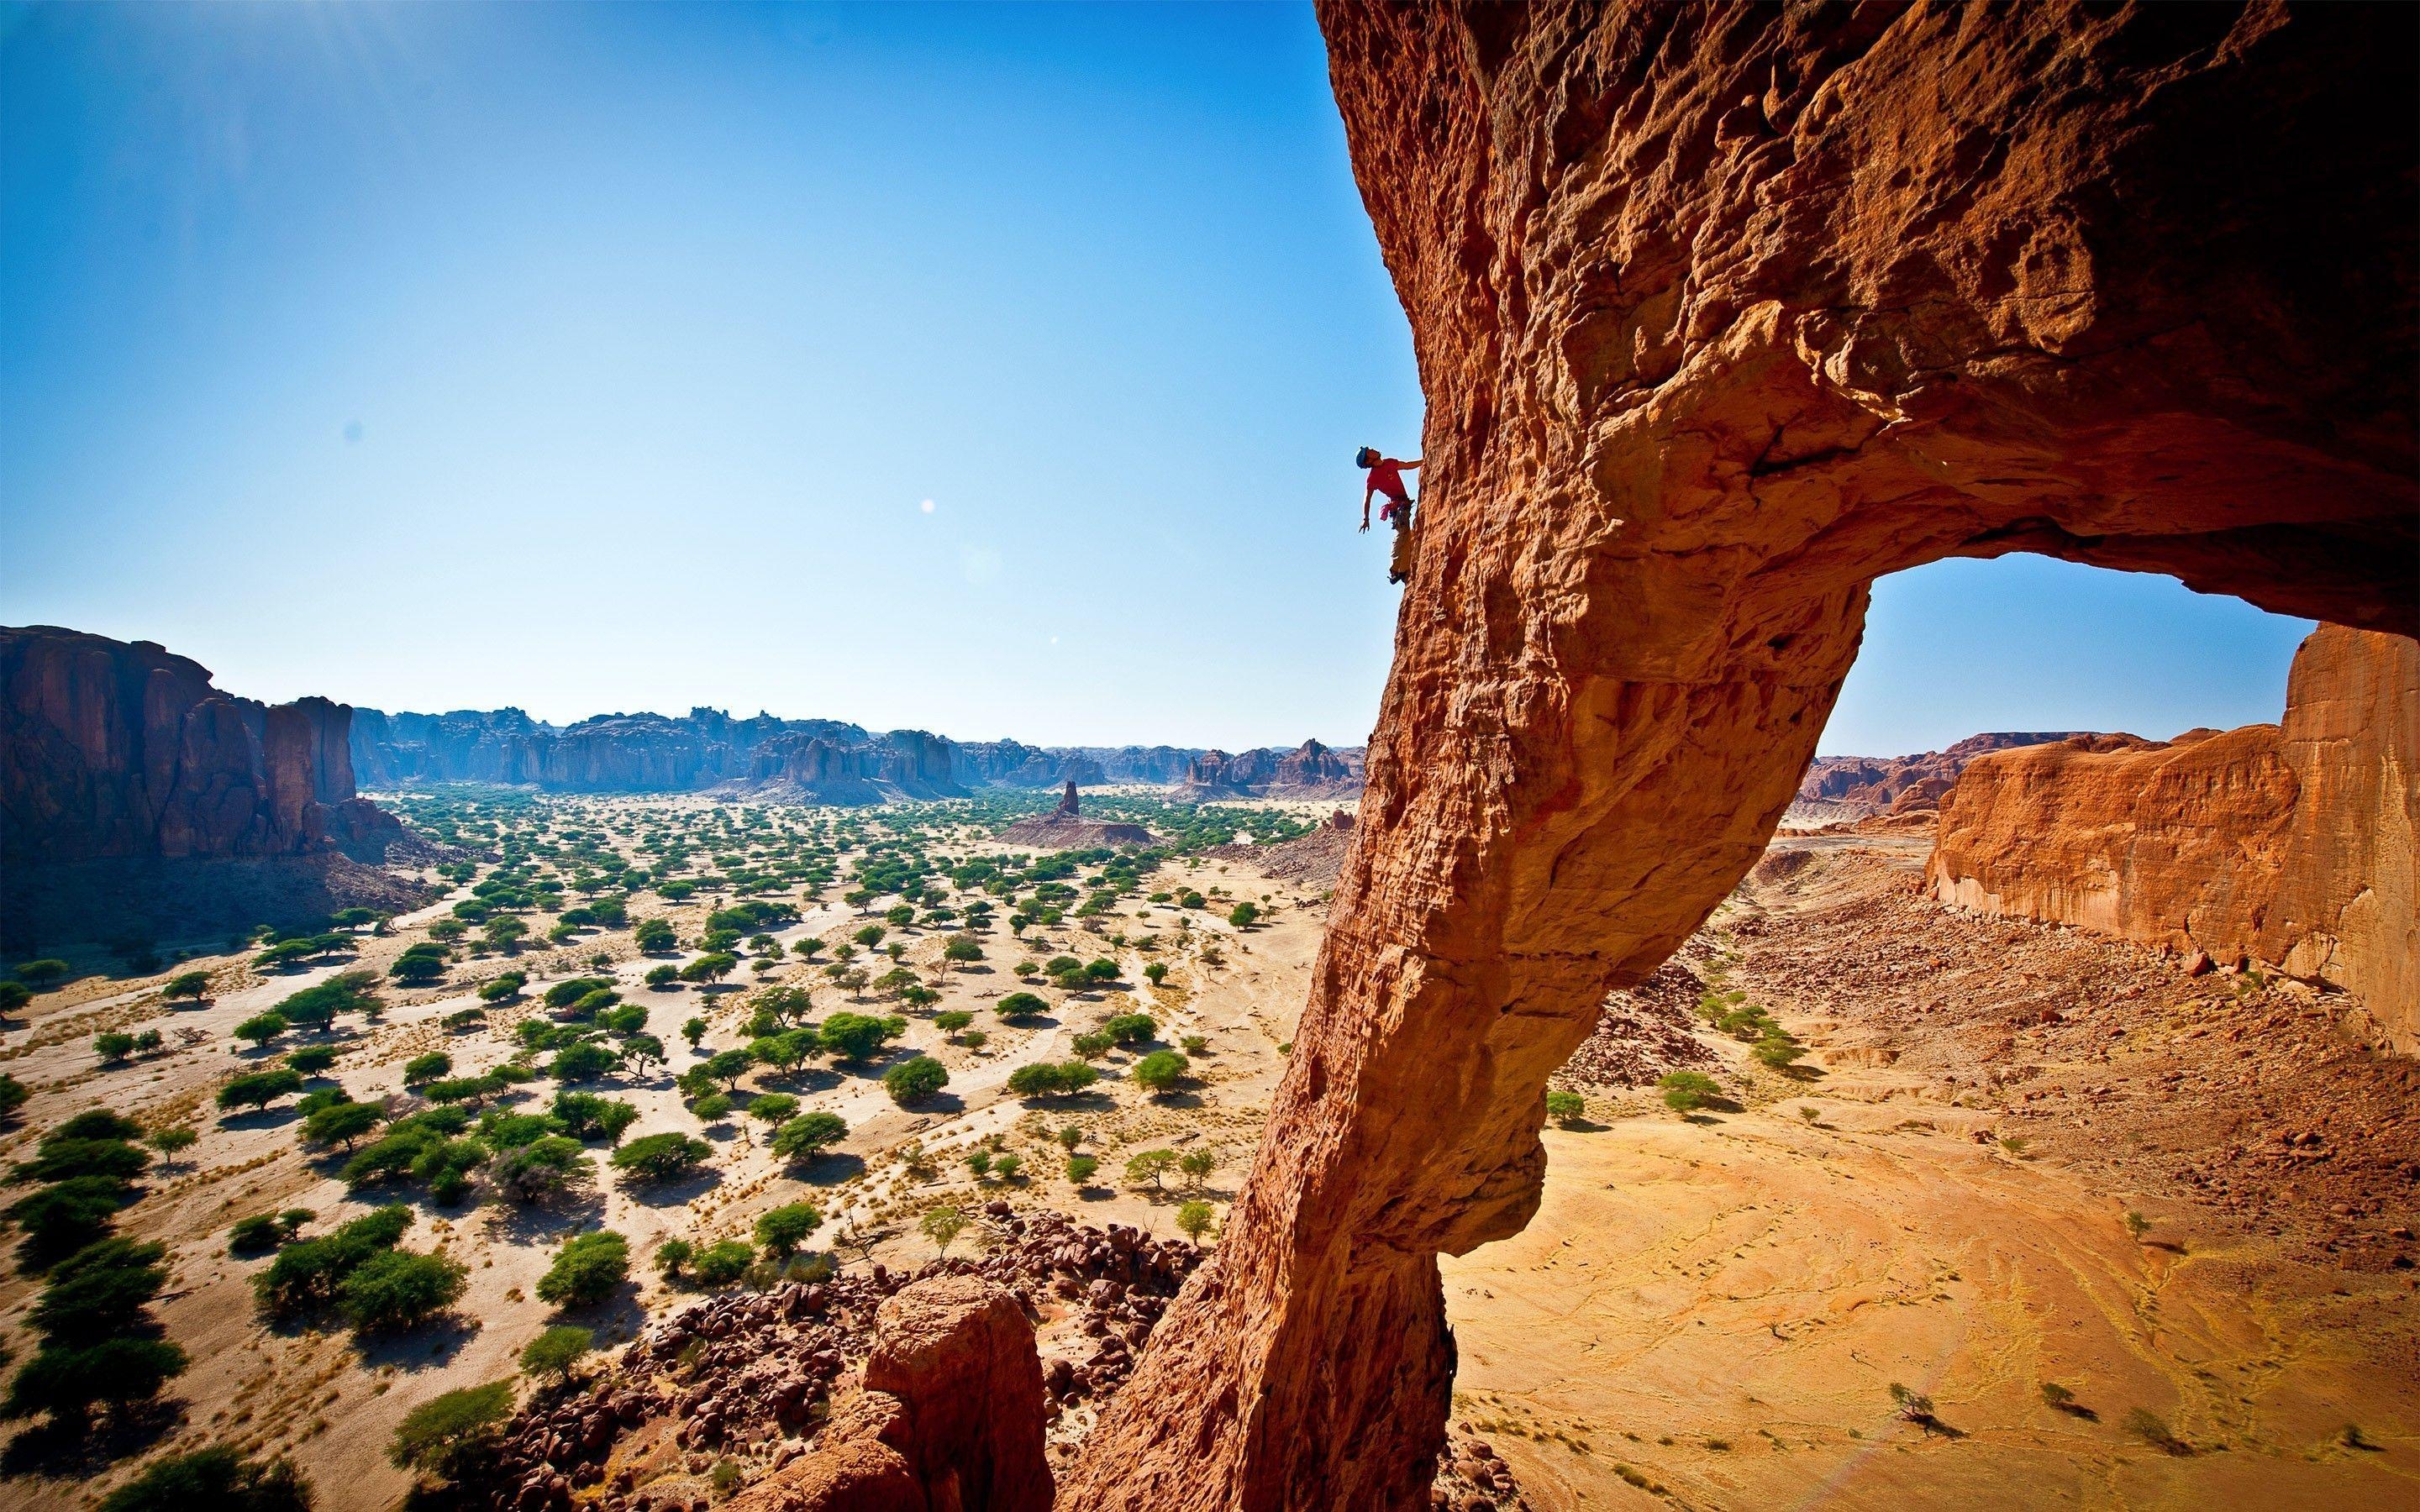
point(2118, 1236)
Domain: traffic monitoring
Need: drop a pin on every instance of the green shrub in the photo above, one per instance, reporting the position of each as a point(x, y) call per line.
point(259, 1088)
point(662, 1157)
point(553, 1354)
point(720, 1265)
point(586, 1269)
point(783, 1229)
point(397, 1289)
point(452, 1435)
point(1685, 1091)
point(1131, 1028)
point(1159, 1071)
point(914, 1080)
point(1566, 1108)
point(808, 1135)
point(217, 1479)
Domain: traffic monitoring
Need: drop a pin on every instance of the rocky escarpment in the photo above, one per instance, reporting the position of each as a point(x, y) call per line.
point(608, 753)
point(1310, 770)
point(1008, 763)
point(1840, 788)
point(904, 764)
point(2289, 846)
point(1721, 313)
point(807, 760)
point(126, 751)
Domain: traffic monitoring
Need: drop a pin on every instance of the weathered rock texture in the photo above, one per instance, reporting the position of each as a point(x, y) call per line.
point(1846, 788)
point(1310, 770)
point(2291, 846)
point(1722, 312)
point(124, 751)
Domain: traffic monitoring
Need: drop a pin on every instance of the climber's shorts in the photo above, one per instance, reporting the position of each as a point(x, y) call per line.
point(1399, 563)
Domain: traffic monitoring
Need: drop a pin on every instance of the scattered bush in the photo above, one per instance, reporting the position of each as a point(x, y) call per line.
point(1685, 1091)
point(553, 1355)
point(662, 1157)
point(397, 1290)
point(259, 1088)
point(1159, 1071)
point(586, 1269)
point(720, 1265)
point(913, 1081)
point(452, 1437)
point(216, 1479)
point(783, 1229)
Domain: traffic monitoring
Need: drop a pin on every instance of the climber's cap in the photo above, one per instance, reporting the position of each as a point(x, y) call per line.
point(1365, 457)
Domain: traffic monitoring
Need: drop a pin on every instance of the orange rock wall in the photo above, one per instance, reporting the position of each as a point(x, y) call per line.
point(1723, 311)
point(2288, 845)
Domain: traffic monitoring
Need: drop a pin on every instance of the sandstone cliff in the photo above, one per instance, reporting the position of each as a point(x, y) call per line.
point(1723, 311)
point(118, 750)
point(2289, 846)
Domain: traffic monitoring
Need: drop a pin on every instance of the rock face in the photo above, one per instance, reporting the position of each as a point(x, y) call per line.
point(1310, 770)
point(2289, 846)
point(1838, 788)
point(125, 751)
point(1721, 313)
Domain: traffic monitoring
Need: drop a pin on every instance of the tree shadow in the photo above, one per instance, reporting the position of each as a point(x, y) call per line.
point(672, 1194)
point(69, 1451)
point(828, 1168)
point(1177, 1098)
point(260, 1119)
point(579, 1209)
point(618, 1315)
point(943, 1103)
point(431, 1346)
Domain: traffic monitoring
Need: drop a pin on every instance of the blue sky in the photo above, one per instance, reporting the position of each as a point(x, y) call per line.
point(598, 358)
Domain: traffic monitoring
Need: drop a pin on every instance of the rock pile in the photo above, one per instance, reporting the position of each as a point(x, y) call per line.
point(748, 1375)
point(1313, 860)
point(1065, 828)
point(1642, 1034)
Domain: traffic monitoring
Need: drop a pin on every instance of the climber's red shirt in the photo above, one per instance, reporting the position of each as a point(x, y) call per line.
point(1387, 478)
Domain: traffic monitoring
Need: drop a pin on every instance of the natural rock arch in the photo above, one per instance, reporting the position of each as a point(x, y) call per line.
point(1723, 312)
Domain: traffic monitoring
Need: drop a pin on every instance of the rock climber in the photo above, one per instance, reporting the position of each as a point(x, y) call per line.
point(1387, 477)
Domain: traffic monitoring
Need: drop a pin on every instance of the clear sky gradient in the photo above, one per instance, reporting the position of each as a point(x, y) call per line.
point(993, 371)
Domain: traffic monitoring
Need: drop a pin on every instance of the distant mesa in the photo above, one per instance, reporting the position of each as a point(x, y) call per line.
point(795, 760)
point(1310, 770)
point(1844, 789)
point(1065, 828)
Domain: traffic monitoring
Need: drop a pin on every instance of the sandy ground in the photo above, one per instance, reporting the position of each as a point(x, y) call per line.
point(1715, 1306)
point(1712, 1310)
point(333, 1401)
